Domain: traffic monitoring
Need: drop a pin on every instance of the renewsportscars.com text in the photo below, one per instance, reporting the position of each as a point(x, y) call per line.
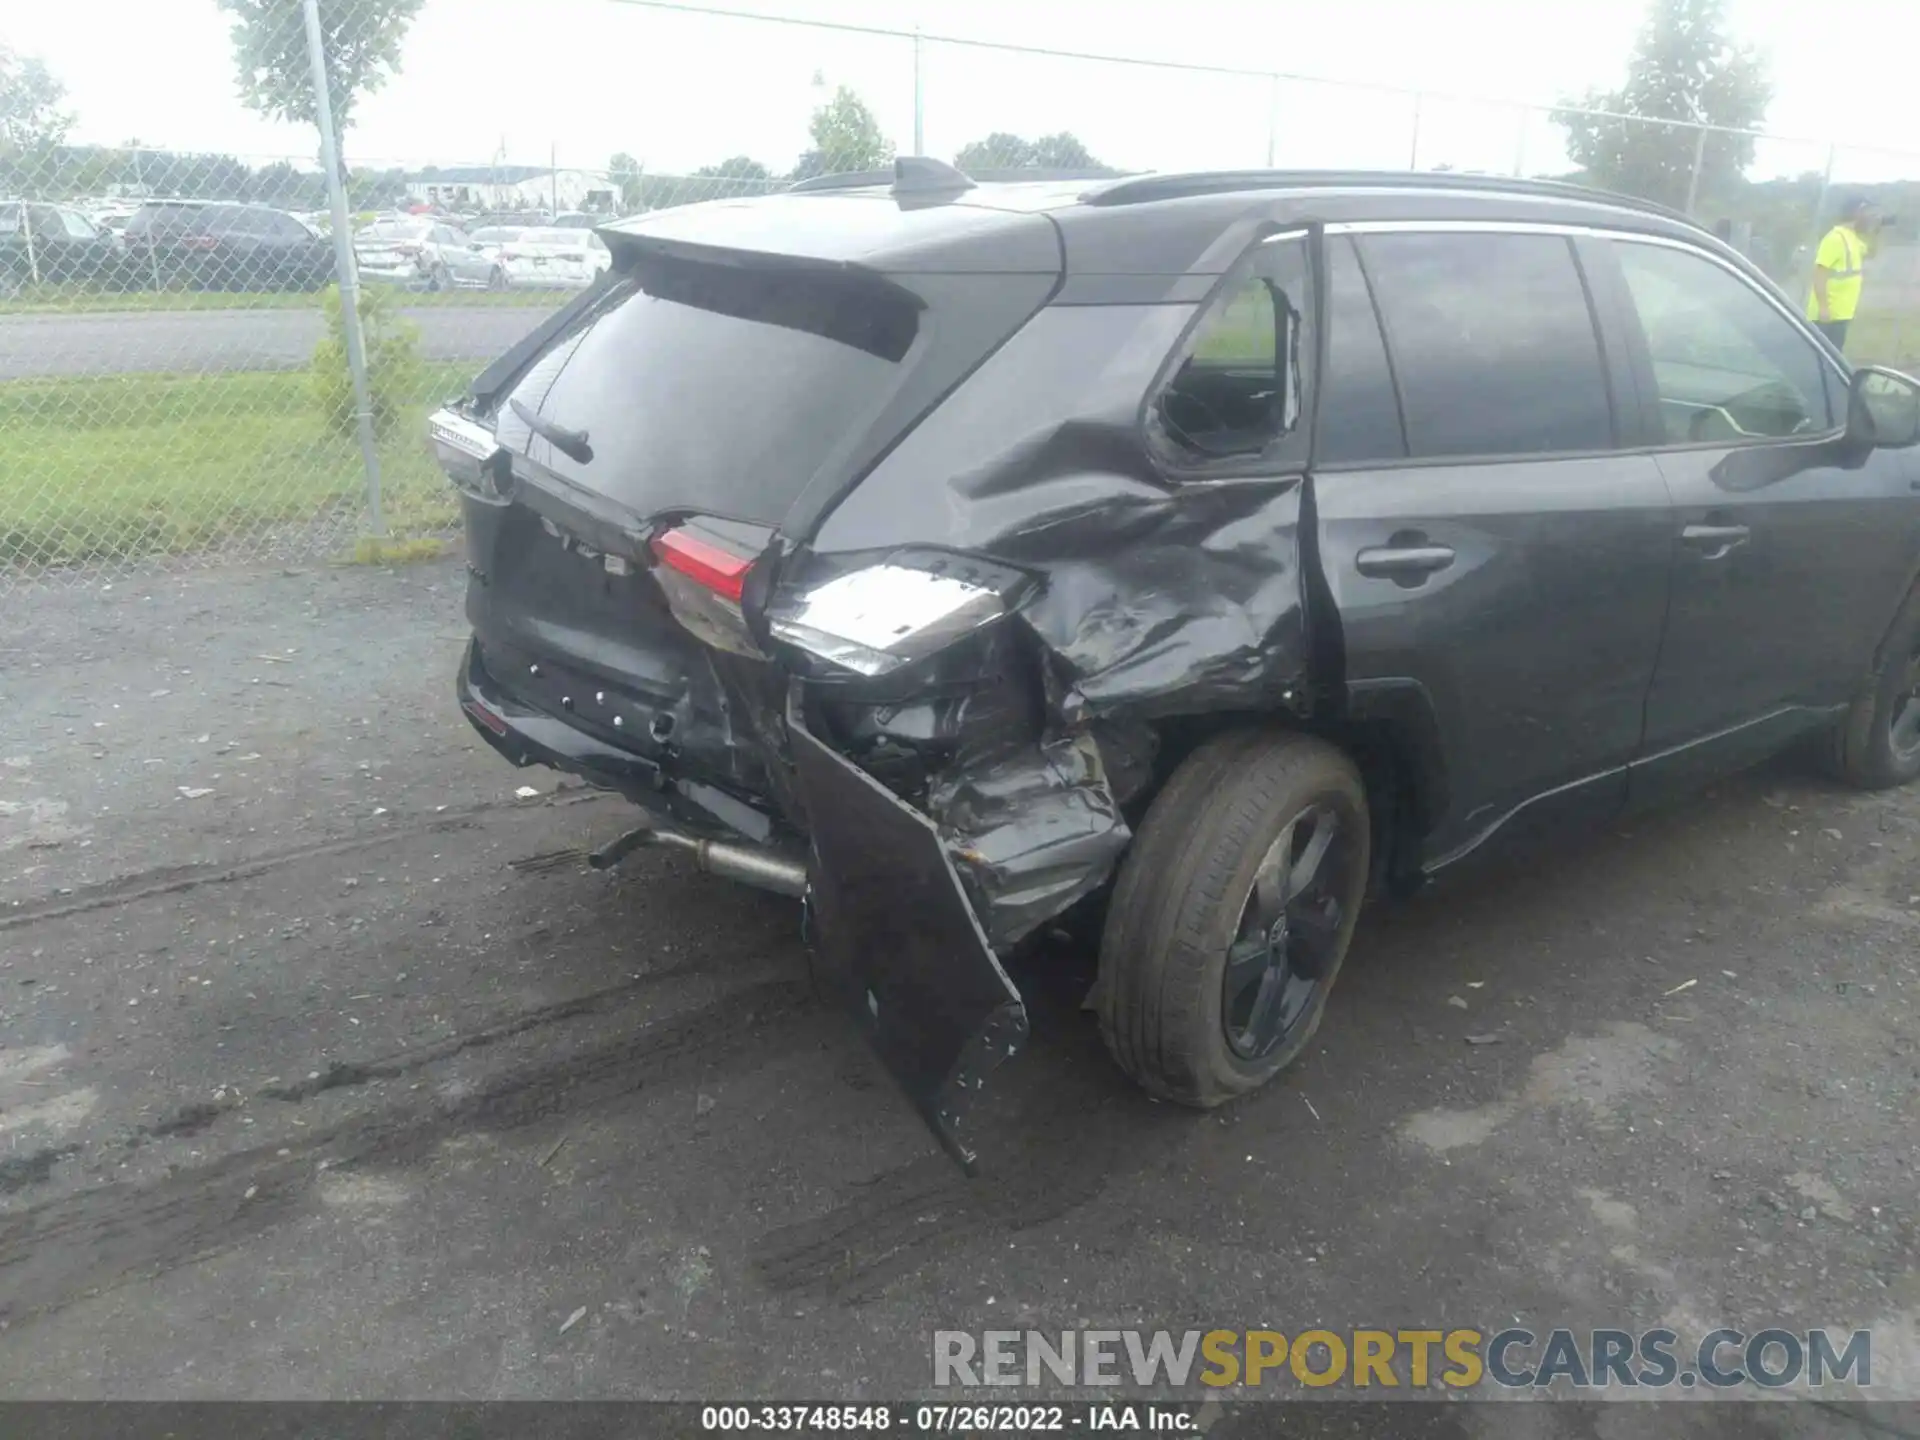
point(1454, 1359)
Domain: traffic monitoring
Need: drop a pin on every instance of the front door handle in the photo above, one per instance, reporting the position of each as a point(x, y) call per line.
point(1713, 541)
point(1406, 564)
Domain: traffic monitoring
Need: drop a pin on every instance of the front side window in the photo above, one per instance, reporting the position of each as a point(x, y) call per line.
point(1241, 389)
point(1493, 343)
point(78, 226)
point(1728, 365)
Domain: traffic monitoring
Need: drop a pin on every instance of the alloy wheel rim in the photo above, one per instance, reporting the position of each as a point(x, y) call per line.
point(1904, 724)
point(1288, 937)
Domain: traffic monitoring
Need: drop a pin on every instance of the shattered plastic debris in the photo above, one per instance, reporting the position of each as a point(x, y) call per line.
point(574, 1319)
point(193, 792)
point(526, 792)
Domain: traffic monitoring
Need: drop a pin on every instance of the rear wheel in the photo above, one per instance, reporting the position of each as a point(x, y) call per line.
point(1232, 916)
point(496, 279)
point(1878, 744)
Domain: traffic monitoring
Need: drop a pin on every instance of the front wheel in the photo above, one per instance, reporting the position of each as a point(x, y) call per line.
point(1877, 746)
point(496, 279)
point(1232, 915)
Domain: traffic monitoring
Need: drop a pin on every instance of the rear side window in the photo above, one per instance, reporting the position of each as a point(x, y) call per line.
point(1493, 343)
point(1359, 418)
point(1240, 390)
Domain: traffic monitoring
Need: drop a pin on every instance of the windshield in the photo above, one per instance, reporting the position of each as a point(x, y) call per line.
point(717, 388)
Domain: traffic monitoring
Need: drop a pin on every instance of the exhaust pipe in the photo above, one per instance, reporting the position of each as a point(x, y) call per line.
point(750, 865)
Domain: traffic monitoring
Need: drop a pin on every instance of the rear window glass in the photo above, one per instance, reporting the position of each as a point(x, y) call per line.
point(572, 239)
point(495, 235)
point(1493, 343)
point(718, 388)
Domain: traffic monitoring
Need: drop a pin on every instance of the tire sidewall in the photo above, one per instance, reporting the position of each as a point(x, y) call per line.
point(1879, 762)
point(1343, 794)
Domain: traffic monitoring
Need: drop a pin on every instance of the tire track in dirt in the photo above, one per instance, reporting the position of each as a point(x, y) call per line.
point(63, 1250)
point(162, 880)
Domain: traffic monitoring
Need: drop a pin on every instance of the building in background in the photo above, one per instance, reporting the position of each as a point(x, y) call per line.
point(511, 187)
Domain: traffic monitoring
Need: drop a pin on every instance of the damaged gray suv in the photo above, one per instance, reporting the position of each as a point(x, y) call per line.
point(1194, 555)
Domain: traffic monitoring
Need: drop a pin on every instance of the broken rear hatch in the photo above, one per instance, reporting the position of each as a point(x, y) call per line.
point(662, 443)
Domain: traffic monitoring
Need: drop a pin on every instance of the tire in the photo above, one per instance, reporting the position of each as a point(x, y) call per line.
point(1175, 1015)
point(1877, 745)
point(496, 279)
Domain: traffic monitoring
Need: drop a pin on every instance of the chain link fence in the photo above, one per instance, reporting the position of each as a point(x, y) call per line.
point(182, 383)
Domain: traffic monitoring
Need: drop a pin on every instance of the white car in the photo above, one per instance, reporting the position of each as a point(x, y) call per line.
point(420, 253)
point(553, 259)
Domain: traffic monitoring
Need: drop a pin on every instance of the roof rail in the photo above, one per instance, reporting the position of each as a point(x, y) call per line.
point(920, 174)
point(1140, 189)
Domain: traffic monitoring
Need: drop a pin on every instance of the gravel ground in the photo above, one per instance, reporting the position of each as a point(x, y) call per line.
point(327, 1069)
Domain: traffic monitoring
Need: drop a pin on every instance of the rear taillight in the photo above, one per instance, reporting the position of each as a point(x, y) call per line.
point(471, 457)
point(703, 582)
point(714, 568)
point(907, 607)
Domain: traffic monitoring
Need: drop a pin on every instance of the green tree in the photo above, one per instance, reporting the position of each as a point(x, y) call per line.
point(625, 172)
point(739, 175)
point(31, 120)
point(846, 137)
point(359, 38)
point(1685, 68)
point(1004, 151)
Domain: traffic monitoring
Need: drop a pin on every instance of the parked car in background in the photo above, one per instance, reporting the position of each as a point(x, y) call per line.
point(549, 258)
point(113, 219)
point(219, 245)
point(522, 218)
point(54, 245)
point(1181, 557)
point(421, 253)
point(577, 220)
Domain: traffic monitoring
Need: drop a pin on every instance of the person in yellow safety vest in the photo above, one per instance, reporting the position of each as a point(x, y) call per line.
point(1838, 268)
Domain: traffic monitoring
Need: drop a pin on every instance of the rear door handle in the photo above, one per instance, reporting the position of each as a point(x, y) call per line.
point(1713, 541)
point(1408, 564)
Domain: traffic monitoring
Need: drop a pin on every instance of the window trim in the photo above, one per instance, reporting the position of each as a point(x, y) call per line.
point(1599, 306)
point(1276, 460)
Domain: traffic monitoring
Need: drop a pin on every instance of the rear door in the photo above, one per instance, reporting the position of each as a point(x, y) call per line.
point(1792, 548)
point(1498, 565)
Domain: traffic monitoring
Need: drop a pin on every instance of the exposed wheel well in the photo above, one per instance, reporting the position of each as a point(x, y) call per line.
point(1400, 795)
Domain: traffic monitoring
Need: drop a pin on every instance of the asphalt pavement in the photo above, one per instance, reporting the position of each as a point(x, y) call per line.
point(128, 342)
point(328, 1069)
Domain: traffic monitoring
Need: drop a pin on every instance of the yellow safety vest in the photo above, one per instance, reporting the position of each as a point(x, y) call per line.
point(1842, 255)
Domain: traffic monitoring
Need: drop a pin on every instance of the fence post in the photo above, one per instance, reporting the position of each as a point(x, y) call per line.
point(1699, 164)
point(919, 98)
point(1273, 118)
point(1413, 158)
point(344, 267)
point(1520, 145)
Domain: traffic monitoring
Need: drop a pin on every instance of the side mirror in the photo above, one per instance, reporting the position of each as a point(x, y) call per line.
point(1883, 409)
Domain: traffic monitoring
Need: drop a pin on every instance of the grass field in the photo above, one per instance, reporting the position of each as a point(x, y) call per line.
point(96, 302)
point(136, 465)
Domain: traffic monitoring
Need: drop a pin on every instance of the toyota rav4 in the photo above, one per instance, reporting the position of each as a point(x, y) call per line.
point(1198, 554)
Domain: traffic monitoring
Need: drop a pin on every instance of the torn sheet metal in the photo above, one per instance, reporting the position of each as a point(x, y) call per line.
point(896, 938)
point(1034, 831)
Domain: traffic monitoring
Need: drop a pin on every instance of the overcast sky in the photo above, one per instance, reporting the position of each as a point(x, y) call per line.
point(585, 78)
